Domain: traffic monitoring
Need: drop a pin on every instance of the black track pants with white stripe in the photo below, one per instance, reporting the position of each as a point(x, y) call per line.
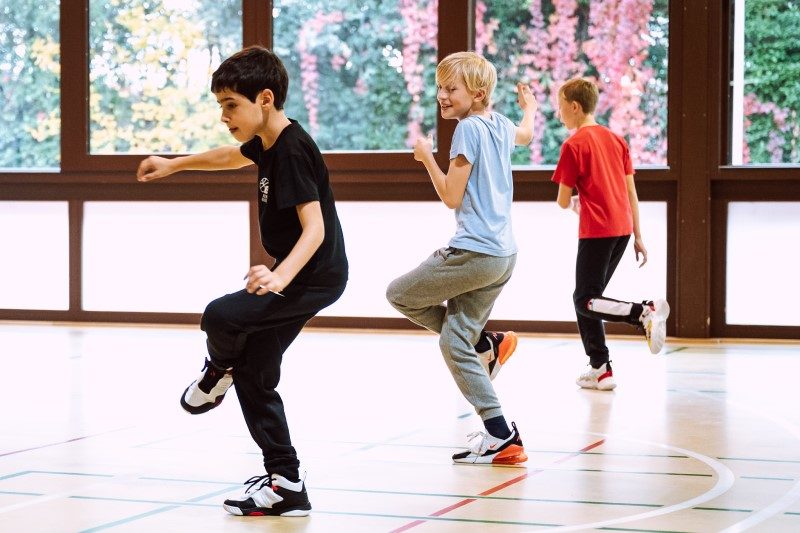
point(597, 260)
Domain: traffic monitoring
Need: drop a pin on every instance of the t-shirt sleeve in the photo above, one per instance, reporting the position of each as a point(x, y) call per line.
point(566, 172)
point(251, 149)
point(298, 183)
point(626, 160)
point(465, 141)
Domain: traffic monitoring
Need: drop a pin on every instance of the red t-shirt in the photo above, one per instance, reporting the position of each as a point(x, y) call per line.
point(595, 161)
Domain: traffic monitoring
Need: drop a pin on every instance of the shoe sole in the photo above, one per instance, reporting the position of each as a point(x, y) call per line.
point(599, 386)
point(510, 456)
point(259, 511)
point(507, 347)
point(656, 342)
point(200, 409)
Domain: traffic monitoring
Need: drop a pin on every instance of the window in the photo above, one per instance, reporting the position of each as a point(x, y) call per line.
point(544, 276)
point(169, 257)
point(362, 73)
point(765, 84)
point(30, 57)
point(622, 45)
point(150, 73)
point(34, 238)
point(761, 268)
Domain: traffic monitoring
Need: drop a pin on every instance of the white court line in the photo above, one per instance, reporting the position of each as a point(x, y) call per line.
point(785, 501)
point(725, 480)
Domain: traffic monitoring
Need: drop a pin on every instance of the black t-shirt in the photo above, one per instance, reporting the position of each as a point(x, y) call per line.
point(292, 172)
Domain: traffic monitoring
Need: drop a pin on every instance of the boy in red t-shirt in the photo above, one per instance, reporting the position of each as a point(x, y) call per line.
point(596, 162)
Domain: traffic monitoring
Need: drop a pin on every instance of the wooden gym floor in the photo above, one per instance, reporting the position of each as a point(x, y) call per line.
point(704, 437)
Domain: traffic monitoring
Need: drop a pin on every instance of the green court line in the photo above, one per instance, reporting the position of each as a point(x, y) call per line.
point(641, 530)
point(627, 472)
point(768, 478)
point(791, 461)
point(175, 505)
point(470, 496)
point(15, 493)
point(723, 509)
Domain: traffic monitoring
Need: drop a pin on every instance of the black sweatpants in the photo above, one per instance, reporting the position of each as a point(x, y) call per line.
point(597, 260)
point(250, 333)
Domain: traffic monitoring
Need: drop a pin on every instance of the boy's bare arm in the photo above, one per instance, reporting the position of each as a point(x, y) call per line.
point(222, 158)
point(261, 280)
point(638, 244)
point(527, 101)
point(564, 198)
point(451, 186)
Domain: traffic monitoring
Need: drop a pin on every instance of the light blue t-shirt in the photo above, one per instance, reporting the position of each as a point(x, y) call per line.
point(484, 217)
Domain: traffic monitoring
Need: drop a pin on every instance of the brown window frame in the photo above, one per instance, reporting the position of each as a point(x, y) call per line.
point(696, 184)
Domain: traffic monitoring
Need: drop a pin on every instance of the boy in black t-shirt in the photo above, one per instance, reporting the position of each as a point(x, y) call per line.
point(249, 330)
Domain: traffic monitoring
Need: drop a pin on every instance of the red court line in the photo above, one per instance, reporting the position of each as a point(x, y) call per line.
point(62, 442)
point(494, 489)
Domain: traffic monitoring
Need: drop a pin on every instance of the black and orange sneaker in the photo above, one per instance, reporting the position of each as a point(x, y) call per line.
point(271, 495)
point(502, 347)
point(485, 449)
point(208, 390)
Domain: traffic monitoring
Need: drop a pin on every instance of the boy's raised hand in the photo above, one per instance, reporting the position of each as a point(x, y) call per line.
point(153, 168)
point(525, 98)
point(423, 147)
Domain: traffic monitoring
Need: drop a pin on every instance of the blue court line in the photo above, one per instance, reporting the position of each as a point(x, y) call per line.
point(15, 493)
point(129, 519)
point(26, 472)
point(139, 516)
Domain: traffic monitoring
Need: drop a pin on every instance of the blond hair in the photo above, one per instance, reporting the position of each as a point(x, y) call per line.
point(582, 91)
point(476, 71)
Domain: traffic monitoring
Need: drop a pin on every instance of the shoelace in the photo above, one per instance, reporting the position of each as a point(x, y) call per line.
point(265, 479)
point(478, 446)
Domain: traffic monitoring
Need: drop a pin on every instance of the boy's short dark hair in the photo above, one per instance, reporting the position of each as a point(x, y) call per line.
point(582, 91)
point(251, 70)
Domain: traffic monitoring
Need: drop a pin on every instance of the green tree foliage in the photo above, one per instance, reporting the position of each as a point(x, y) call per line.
point(150, 68)
point(356, 80)
point(29, 84)
point(772, 75)
point(345, 63)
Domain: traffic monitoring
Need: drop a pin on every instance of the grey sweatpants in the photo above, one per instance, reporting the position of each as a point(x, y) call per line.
point(469, 282)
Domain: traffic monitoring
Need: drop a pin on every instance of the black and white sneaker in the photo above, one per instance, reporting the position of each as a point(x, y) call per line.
point(484, 449)
point(271, 495)
point(208, 390)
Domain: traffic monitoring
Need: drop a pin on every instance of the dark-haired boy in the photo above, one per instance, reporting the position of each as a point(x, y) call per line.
point(249, 330)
